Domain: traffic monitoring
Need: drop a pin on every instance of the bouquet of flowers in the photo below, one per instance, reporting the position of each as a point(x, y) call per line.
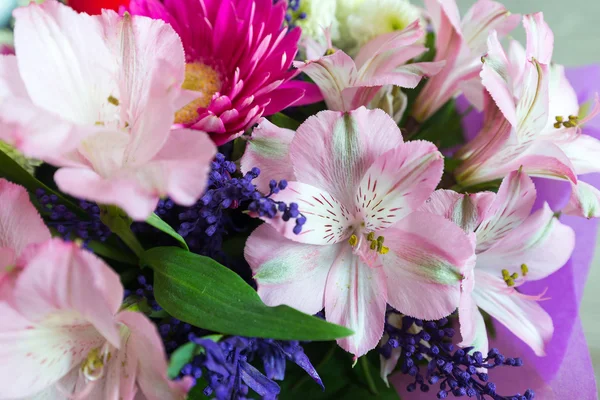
point(303, 199)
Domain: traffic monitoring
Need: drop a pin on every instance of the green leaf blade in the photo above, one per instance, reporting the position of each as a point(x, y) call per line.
point(202, 292)
point(155, 221)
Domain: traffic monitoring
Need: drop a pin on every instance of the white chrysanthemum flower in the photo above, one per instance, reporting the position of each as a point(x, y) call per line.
point(313, 16)
point(362, 20)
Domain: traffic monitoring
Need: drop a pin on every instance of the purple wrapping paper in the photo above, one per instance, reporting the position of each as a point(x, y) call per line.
point(566, 371)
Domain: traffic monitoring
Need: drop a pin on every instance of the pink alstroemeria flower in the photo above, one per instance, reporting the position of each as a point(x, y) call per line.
point(61, 335)
point(522, 129)
point(461, 45)
point(347, 84)
point(513, 247)
point(96, 96)
point(21, 227)
point(238, 54)
point(364, 244)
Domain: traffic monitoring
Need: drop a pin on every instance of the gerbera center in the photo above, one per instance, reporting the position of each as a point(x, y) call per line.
point(203, 79)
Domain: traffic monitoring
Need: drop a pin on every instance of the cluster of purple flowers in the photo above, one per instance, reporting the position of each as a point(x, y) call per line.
point(70, 225)
point(206, 223)
point(293, 12)
point(455, 370)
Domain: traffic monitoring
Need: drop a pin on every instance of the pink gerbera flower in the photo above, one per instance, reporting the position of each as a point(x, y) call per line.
point(238, 55)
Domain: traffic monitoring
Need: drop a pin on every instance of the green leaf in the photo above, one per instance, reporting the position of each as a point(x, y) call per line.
point(444, 128)
point(283, 121)
point(112, 252)
point(204, 293)
point(155, 221)
point(180, 357)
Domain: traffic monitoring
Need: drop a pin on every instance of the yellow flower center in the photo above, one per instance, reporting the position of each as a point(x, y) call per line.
point(93, 366)
point(374, 244)
point(570, 123)
point(510, 278)
point(199, 78)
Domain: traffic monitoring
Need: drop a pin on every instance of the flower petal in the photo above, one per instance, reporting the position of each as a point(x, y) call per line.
point(541, 242)
point(20, 223)
point(269, 150)
point(54, 41)
point(584, 201)
point(540, 39)
point(510, 208)
point(398, 183)
point(523, 317)
point(427, 258)
point(355, 297)
point(332, 74)
point(151, 72)
point(495, 76)
point(328, 221)
point(466, 211)
point(146, 350)
point(472, 324)
point(122, 191)
point(333, 150)
point(584, 153)
point(62, 278)
point(287, 272)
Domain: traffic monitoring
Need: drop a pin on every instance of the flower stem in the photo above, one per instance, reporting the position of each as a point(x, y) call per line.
point(364, 363)
point(120, 224)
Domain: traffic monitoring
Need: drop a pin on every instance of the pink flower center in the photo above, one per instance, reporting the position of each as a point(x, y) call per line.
point(199, 78)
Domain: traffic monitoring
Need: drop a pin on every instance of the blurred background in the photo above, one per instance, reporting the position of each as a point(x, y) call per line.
point(576, 26)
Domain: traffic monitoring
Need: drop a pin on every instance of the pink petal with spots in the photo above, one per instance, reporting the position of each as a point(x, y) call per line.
point(328, 220)
point(333, 150)
point(355, 297)
point(288, 272)
point(398, 183)
point(20, 223)
point(269, 149)
point(510, 208)
point(428, 256)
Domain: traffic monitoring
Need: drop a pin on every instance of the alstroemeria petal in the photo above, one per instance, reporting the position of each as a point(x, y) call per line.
point(524, 317)
point(540, 39)
point(534, 101)
point(53, 40)
point(584, 153)
point(124, 192)
point(510, 208)
point(495, 76)
point(398, 183)
point(20, 223)
point(62, 279)
point(541, 242)
point(288, 272)
point(472, 324)
point(332, 74)
point(146, 49)
point(584, 201)
point(427, 257)
point(355, 297)
point(466, 211)
point(41, 352)
point(328, 220)
point(269, 150)
point(333, 150)
point(146, 351)
point(546, 159)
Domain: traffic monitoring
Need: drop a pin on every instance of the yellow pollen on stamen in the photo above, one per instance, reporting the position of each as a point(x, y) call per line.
point(524, 269)
point(353, 240)
point(93, 365)
point(199, 78)
point(572, 122)
point(508, 278)
point(113, 100)
point(330, 52)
